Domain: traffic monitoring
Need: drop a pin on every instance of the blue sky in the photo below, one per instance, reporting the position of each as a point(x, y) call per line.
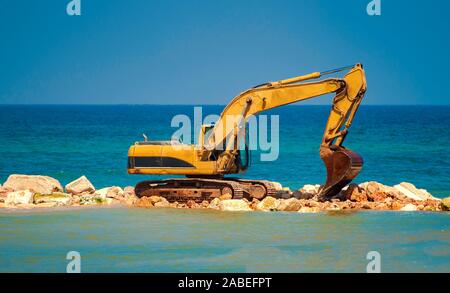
point(206, 52)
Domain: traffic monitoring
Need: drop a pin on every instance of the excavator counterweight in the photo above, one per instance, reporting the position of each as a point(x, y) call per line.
point(218, 153)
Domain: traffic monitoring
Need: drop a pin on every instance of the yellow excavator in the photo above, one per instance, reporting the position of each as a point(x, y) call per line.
point(219, 150)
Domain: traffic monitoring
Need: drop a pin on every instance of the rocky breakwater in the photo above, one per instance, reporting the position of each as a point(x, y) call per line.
point(33, 191)
point(365, 196)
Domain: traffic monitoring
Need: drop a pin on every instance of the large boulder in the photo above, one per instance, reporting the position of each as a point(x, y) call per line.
point(268, 204)
point(20, 197)
point(234, 205)
point(58, 198)
point(412, 192)
point(34, 183)
point(80, 185)
point(290, 205)
point(355, 193)
point(214, 204)
point(129, 195)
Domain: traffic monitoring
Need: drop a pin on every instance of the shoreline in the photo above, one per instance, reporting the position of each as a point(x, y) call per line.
point(22, 193)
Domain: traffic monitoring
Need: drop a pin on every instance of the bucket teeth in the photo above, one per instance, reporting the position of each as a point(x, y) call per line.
point(342, 165)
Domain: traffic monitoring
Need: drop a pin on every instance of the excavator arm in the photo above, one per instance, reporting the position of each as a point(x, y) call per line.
point(342, 164)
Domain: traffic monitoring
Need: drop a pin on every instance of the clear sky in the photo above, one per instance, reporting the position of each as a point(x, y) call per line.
point(206, 52)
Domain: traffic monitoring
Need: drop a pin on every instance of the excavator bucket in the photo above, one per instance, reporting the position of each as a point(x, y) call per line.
point(343, 165)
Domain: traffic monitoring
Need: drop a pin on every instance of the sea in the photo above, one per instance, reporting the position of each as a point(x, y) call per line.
point(398, 143)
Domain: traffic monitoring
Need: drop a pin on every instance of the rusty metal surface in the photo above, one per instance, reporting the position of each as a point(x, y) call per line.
point(342, 165)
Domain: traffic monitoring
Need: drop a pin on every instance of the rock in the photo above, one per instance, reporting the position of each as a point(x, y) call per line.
point(91, 199)
point(115, 192)
point(160, 203)
point(34, 183)
point(225, 196)
point(47, 205)
point(396, 205)
point(285, 194)
point(144, 202)
point(4, 193)
point(205, 204)
point(355, 193)
point(19, 197)
point(56, 197)
point(409, 208)
point(309, 210)
point(111, 192)
point(80, 185)
point(129, 190)
point(308, 191)
point(191, 204)
point(214, 204)
point(300, 195)
point(101, 193)
point(446, 204)
point(378, 196)
point(333, 207)
point(410, 191)
point(290, 205)
point(129, 196)
point(268, 204)
point(234, 205)
point(75, 200)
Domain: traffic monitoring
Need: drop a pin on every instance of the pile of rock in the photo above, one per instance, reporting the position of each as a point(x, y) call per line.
point(365, 196)
point(30, 191)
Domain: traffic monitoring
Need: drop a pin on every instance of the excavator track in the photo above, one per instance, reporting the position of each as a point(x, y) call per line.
point(200, 189)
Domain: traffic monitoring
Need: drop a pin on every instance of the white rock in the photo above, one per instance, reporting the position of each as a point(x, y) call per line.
point(80, 185)
point(308, 188)
point(290, 205)
point(277, 185)
point(234, 205)
point(409, 190)
point(110, 192)
point(101, 193)
point(20, 197)
point(34, 183)
point(409, 208)
point(214, 204)
point(268, 204)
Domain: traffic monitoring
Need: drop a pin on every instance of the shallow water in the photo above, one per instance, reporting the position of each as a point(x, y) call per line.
point(397, 143)
point(170, 240)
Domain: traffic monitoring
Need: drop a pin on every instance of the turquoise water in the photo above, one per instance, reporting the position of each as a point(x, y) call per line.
point(167, 240)
point(398, 144)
